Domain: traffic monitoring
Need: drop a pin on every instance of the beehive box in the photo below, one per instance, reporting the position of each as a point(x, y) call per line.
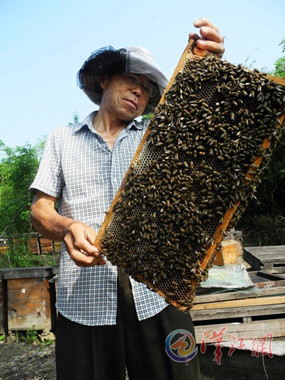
point(39, 245)
point(193, 174)
point(30, 299)
point(231, 252)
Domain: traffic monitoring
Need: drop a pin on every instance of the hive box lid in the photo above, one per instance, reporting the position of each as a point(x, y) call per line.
point(32, 272)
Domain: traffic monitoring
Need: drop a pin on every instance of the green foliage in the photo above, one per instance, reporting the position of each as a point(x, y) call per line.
point(280, 67)
point(39, 147)
point(147, 117)
point(18, 167)
point(280, 63)
point(75, 118)
point(32, 335)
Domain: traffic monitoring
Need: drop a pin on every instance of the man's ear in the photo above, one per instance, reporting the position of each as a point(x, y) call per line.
point(103, 81)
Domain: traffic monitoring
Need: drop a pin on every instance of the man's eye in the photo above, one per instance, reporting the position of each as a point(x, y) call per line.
point(132, 79)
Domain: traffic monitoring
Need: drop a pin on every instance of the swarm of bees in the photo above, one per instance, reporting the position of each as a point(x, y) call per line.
point(196, 163)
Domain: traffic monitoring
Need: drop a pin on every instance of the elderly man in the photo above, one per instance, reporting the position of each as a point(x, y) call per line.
point(107, 322)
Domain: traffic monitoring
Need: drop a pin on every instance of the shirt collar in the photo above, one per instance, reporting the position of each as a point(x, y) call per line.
point(88, 121)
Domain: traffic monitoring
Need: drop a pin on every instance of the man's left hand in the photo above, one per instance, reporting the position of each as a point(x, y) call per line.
point(210, 42)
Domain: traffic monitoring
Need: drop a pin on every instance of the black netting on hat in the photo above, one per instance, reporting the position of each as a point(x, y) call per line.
point(104, 61)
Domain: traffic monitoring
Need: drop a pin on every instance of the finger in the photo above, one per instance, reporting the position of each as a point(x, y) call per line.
point(90, 235)
point(200, 52)
point(98, 261)
point(84, 245)
point(211, 34)
point(95, 259)
point(82, 259)
point(90, 249)
point(203, 21)
point(212, 47)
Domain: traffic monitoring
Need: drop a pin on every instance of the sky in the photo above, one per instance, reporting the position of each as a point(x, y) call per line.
point(44, 43)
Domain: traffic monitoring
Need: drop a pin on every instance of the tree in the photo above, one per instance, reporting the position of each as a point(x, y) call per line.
point(75, 118)
point(280, 63)
point(18, 167)
point(17, 170)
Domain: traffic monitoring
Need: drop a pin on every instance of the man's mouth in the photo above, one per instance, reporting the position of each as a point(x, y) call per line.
point(132, 102)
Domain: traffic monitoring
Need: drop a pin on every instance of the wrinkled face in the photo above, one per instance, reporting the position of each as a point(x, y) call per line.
point(125, 96)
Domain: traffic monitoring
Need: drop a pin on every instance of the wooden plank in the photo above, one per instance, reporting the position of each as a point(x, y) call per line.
point(262, 276)
point(241, 303)
point(255, 292)
point(274, 268)
point(252, 330)
point(236, 312)
point(275, 259)
point(267, 249)
point(270, 284)
point(268, 253)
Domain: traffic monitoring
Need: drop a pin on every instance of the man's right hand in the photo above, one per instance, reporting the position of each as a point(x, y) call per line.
point(79, 239)
point(210, 41)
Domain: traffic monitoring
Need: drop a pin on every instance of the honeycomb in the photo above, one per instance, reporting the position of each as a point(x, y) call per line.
point(194, 174)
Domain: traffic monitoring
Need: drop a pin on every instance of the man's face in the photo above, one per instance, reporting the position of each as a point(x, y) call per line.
point(125, 96)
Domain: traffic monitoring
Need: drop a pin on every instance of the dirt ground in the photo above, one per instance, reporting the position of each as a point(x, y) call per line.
point(24, 361)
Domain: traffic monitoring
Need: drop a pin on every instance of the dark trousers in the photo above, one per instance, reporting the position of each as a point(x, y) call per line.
point(104, 352)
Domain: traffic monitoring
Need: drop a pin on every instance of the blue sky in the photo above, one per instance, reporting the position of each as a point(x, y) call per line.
point(44, 43)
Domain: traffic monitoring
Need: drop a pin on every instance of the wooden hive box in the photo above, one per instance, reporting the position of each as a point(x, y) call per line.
point(30, 299)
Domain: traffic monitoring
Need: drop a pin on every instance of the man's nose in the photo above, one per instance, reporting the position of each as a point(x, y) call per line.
point(137, 90)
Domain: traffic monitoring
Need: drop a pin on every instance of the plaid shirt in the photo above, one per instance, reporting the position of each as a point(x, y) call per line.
point(80, 170)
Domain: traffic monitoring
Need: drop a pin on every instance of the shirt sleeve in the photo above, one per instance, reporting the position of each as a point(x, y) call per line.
point(49, 178)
